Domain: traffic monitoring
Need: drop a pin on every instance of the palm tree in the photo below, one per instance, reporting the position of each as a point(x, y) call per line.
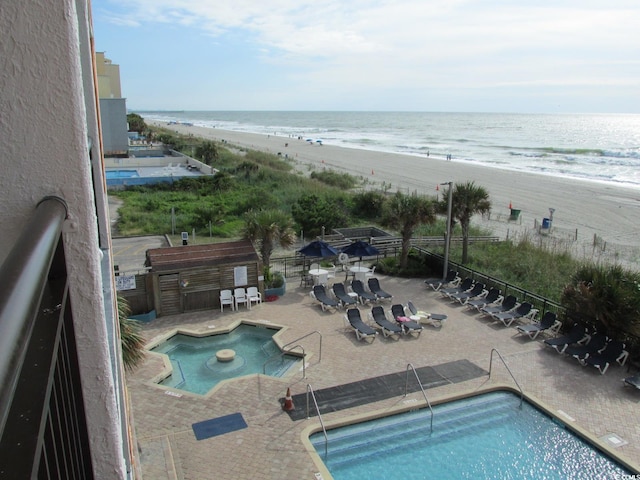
point(266, 229)
point(468, 199)
point(131, 340)
point(405, 213)
point(208, 152)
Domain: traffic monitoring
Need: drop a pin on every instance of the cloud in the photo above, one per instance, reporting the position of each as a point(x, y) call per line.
point(412, 43)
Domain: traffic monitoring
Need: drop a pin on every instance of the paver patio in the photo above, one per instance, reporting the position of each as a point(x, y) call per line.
point(271, 446)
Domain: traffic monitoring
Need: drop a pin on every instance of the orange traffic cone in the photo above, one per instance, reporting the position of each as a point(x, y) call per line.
point(372, 172)
point(510, 207)
point(287, 406)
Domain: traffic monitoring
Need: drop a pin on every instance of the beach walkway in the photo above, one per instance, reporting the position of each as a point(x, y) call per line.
point(271, 447)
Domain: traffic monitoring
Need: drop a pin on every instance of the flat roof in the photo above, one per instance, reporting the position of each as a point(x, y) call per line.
point(189, 256)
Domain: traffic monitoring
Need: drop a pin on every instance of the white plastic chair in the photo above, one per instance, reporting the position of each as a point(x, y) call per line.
point(253, 296)
point(371, 272)
point(226, 298)
point(314, 266)
point(240, 296)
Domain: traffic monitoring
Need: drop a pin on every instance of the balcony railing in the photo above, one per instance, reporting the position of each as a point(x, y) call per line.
point(43, 430)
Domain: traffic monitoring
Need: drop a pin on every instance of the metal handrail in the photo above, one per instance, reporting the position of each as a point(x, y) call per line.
point(424, 394)
point(305, 336)
point(284, 352)
point(324, 430)
point(508, 370)
point(23, 277)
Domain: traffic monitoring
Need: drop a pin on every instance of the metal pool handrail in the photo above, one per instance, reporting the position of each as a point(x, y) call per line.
point(284, 352)
point(324, 430)
point(424, 394)
point(508, 370)
point(305, 336)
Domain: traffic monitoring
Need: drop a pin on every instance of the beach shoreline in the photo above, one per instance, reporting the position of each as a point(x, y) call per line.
point(592, 210)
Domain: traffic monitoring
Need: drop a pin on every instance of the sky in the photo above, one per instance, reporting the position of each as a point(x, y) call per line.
point(527, 56)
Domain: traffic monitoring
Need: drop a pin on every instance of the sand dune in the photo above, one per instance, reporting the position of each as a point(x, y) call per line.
point(582, 208)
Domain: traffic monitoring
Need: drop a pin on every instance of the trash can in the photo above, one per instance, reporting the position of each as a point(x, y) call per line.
point(514, 214)
point(546, 223)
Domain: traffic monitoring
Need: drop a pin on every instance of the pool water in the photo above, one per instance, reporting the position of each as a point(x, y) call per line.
point(196, 368)
point(488, 436)
point(112, 174)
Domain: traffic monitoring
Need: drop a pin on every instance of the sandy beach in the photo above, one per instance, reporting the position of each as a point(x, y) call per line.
point(582, 208)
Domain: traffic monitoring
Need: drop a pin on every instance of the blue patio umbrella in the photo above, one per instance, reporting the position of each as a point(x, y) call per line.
point(360, 249)
point(318, 248)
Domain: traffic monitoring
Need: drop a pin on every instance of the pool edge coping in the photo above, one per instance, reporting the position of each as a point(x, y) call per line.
point(167, 368)
point(419, 404)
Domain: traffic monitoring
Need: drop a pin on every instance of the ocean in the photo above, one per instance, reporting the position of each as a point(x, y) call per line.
point(597, 147)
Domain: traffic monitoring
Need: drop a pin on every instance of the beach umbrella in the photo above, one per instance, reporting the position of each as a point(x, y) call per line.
point(360, 249)
point(318, 248)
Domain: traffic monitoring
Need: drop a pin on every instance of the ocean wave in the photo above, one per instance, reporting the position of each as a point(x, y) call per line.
point(600, 148)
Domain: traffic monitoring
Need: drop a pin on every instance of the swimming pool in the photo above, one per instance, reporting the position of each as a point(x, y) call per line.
point(113, 174)
point(197, 369)
point(487, 436)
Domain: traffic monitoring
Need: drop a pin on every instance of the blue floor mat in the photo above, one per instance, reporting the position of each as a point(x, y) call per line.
point(219, 426)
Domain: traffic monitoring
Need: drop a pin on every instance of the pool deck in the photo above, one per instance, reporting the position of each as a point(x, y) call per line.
point(271, 447)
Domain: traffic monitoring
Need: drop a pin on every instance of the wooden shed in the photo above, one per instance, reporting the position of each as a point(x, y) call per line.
point(189, 278)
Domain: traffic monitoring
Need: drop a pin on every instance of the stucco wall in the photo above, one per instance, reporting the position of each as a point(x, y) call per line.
point(44, 133)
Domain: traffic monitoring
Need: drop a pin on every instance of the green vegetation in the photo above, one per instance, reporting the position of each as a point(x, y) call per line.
point(606, 297)
point(405, 213)
point(522, 264)
point(275, 195)
point(131, 340)
point(266, 229)
point(335, 179)
point(468, 199)
point(136, 123)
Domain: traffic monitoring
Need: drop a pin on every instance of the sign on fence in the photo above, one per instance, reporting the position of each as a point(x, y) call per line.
point(125, 282)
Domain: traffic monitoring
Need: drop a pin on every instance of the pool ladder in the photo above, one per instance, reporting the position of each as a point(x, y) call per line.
point(285, 351)
point(424, 394)
point(508, 370)
point(324, 430)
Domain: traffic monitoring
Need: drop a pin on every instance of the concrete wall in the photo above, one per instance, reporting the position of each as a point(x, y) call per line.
point(113, 118)
point(48, 120)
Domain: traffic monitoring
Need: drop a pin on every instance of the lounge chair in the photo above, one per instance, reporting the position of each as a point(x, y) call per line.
point(408, 326)
point(462, 297)
point(614, 351)
point(389, 329)
point(491, 297)
point(524, 310)
point(549, 322)
point(466, 284)
point(510, 302)
point(439, 282)
point(435, 319)
point(633, 381)
point(578, 333)
point(374, 286)
point(343, 297)
point(358, 287)
point(362, 330)
point(593, 345)
point(320, 294)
